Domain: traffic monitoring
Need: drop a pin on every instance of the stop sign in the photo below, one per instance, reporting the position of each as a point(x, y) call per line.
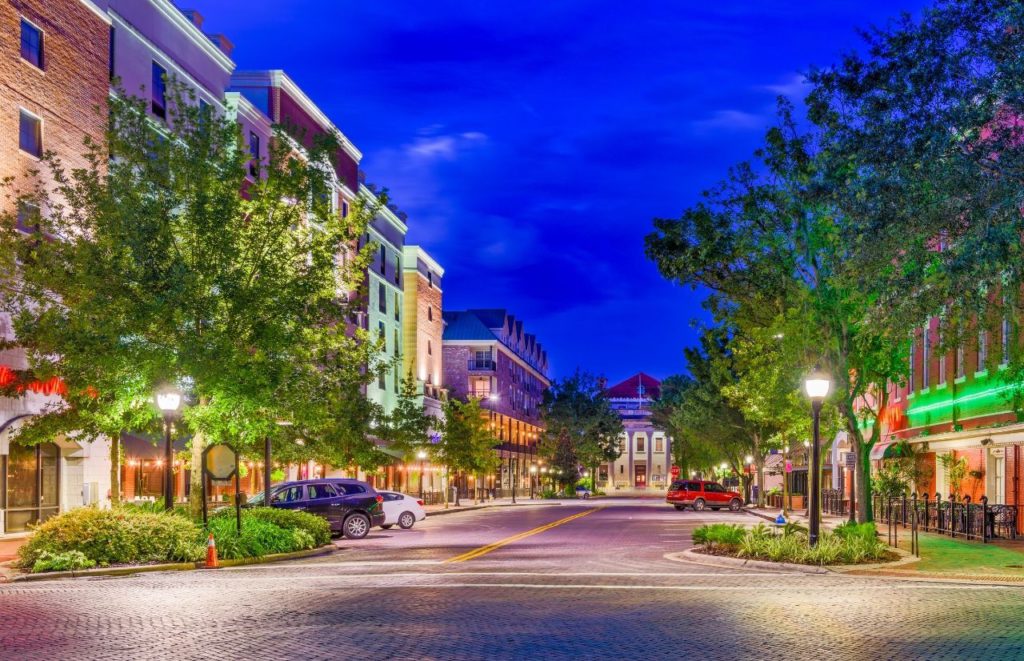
point(675, 471)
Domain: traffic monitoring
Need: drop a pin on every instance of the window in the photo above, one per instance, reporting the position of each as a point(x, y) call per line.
point(159, 94)
point(395, 348)
point(289, 495)
point(382, 298)
point(910, 380)
point(382, 382)
point(30, 134)
point(344, 208)
point(319, 491)
point(1005, 341)
point(925, 357)
point(31, 44)
point(430, 350)
point(398, 269)
point(659, 444)
point(254, 154)
point(28, 218)
point(430, 313)
point(398, 308)
point(982, 350)
point(959, 361)
point(430, 279)
point(641, 443)
point(622, 469)
point(711, 487)
point(380, 329)
point(110, 54)
point(942, 360)
point(383, 260)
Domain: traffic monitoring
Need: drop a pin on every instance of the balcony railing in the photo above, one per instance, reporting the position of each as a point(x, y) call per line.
point(476, 365)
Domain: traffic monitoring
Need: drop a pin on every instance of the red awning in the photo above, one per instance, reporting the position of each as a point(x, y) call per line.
point(879, 451)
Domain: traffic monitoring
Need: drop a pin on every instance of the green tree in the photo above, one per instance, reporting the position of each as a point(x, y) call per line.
point(467, 444)
point(163, 270)
point(580, 426)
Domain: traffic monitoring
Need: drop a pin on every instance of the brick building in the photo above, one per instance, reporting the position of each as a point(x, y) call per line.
point(423, 326)
point(487, 355)
point(54, 73)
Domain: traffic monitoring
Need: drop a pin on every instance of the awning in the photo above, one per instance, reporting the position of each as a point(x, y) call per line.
point(884, 451)
point(772, 460)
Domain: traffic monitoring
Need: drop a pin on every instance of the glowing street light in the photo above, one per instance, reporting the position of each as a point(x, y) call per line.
point(817, 385)
point(168, 400)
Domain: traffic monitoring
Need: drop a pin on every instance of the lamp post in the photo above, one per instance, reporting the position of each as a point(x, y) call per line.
point(422, 456)
point(749, 461)
point(533, 473)
point(168, 400)
point(817, 385)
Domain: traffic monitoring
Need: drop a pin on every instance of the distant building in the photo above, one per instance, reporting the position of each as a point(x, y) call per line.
point(487, 355)
point(646, 458)
point(423, 326)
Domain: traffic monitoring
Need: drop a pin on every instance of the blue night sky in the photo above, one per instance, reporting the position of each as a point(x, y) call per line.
point(531, 143)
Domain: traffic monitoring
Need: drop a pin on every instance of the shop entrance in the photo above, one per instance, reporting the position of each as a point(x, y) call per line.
point(29, 485)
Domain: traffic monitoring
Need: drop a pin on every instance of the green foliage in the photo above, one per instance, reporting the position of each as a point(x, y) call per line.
point(548, 494)
point(115, 536)
point(719, 534)
point(259, 537)
point(315, 526)
point(581, 428)
point(854, 544)
point(866, 531)
point(956, 470)
point(467, 442)
point(67, 561)
point(407, 428)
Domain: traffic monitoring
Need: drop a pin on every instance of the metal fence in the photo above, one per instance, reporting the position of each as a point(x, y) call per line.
point(832, 502)
point(956, 518)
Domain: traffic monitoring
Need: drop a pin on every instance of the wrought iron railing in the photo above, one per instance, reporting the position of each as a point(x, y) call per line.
point(833, 502)
point(956, 518)
point(476, 365)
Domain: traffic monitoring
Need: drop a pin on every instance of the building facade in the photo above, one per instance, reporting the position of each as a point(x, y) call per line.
point(645, 461)
point(488, 356)
point(55, 71)
point(423, 326)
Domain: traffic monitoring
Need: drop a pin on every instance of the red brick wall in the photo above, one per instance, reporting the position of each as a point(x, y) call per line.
point(70, 94)
point(290, 113)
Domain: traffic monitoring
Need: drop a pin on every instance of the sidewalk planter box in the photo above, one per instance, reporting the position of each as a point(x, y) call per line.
point(795, 501)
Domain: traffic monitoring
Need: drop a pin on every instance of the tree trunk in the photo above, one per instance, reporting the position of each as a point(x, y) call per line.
point(760, 480)
point(115, 469)
point(195, 494)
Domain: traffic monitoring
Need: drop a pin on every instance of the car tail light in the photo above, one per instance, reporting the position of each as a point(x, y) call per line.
point(420, 502)
point(380, 498)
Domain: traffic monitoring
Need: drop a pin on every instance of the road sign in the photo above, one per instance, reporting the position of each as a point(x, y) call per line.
point(219, 462)
point(675, 472)
point(789, 466)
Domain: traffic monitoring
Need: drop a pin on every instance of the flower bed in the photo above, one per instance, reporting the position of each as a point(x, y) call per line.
point(847, 545)
point(87, 537)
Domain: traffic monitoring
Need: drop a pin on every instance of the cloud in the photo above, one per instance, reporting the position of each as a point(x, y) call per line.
point(794, 87)
point(443, 147)
point(730, 120)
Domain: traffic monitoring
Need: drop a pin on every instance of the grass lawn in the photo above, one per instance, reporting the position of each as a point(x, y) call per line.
point(957, 556)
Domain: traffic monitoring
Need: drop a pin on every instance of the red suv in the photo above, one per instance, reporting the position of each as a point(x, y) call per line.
point(700, 495)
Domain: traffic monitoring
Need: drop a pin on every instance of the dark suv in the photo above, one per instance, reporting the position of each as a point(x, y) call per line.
point(699, 494)
point(350, 506)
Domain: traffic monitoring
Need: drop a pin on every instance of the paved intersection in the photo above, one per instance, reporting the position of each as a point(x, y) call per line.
point(595, 585)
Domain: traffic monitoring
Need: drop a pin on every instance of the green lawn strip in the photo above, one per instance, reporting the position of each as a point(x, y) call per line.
point(957, 556)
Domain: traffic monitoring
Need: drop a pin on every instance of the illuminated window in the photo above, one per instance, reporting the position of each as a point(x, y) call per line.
point(254, 153)
point(960, 362)
point(982, 350)
point(1005, 340)
point(925, 357)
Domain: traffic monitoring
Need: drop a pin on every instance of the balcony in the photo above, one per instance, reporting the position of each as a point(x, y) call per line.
point(476, 365)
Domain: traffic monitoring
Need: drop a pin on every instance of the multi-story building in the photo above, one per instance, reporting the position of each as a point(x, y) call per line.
point(956, 403)
point(384, 298)
point(55, 71)
point(646, 452)
point(488, 356)
point(423, 326)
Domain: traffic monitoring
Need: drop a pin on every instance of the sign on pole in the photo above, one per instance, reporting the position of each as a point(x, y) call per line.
point(220, 464)
point(675, 472)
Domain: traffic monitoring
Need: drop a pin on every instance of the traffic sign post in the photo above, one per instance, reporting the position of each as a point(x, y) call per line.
point(220, 462)
point(674, 472)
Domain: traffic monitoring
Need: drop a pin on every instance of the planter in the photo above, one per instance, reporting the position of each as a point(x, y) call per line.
point(795, 502)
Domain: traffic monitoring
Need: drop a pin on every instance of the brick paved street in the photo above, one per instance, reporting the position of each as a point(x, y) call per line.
point(596, 586)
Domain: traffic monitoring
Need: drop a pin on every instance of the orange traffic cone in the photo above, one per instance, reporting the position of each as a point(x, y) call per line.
point(211, 554)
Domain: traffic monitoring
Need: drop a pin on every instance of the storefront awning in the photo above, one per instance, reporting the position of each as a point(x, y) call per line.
point(884, 451)
point(772, 460)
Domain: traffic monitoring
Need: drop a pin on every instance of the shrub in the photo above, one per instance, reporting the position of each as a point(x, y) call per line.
point(315, 526)
point(66, 561)
point(865, 531)
point(114, 536)
point(723, 534)
point(260, 535)
point(549, 493)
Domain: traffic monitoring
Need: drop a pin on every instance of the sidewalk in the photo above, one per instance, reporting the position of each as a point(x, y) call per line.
point(9, 546)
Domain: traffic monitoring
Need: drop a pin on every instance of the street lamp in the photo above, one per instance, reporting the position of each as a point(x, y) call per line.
point(422, 456)
point(533, 472)
point(168, 400)
point(816, 385)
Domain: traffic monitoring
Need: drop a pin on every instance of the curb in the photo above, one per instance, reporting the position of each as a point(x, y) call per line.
point(173, 566)
point(695, 557)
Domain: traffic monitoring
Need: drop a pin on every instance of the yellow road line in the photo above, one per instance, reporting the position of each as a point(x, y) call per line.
point(477, 552)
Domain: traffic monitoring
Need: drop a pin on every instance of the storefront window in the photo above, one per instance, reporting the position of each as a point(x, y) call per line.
point(33, 480)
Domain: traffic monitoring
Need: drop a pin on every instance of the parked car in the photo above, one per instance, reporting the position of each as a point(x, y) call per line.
point(700, 494)
point(402, 509)
point(583, 492)
point(350, 506)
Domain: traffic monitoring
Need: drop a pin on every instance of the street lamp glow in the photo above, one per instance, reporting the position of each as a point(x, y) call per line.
point(749, 459)
point(817, 385)
point(807, 444)
point(724, 465)
point(533, 469)
point(421, 455)
point(493, 397)
point(168, 399)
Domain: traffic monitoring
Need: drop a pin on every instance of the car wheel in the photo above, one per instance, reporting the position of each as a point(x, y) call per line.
point(406, 520)
point(680, 507)
point(356, 526)
point(387, 526)
point(735, 505)
point(698, 505)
